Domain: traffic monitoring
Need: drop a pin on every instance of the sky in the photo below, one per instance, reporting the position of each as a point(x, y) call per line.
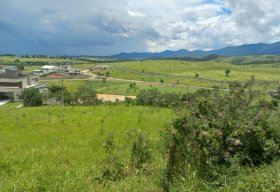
point(106, 27)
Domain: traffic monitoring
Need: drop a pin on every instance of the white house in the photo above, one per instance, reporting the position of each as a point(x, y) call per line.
point(49, 69)
point(38, 72)
point(68, 69)
point(13, 81)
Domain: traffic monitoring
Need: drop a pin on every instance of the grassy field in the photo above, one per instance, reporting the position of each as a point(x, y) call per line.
point(149, 70)
point(60, 149)
point(206, 70)
point(122, 87)
point(15, 60)
point(10, 105)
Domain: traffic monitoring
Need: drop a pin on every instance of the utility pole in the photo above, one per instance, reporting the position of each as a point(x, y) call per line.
point(62, 92)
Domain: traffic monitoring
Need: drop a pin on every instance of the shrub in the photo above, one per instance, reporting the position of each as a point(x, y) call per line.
point(86, 94)
point(227, 72)
point(148, 97)
point(128, 100)
point(113, 168)
point(31, 97)
point(168, 100)
point(141, 151)
point(153, 97)
point(274, 102)
point(218, 131)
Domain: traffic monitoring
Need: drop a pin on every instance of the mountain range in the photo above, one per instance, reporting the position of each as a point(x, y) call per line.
point(242, 50)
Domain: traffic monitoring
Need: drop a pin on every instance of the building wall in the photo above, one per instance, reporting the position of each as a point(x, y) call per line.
point(11, 84)
point(13, 81)
point(11, 93)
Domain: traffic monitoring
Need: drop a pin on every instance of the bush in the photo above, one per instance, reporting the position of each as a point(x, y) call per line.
point(31, 97)
point(113, 168)
point(86, 94)
point(153, 97)
point(227, 72)
point(218, 131)
point(129, 101)
point(274, 102)
point(141, 150)
point(168, 100)
point(148, 97)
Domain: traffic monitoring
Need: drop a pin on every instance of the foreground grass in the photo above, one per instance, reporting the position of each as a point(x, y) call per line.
point(60, 148)
point(261, 179)
point(10, 105)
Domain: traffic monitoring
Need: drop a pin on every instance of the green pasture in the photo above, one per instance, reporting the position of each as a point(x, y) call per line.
point(207, 70)
point(60, 148)
point(122, 87)
point(13, 60)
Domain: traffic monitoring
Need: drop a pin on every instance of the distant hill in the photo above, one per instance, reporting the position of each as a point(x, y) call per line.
point(243, 50)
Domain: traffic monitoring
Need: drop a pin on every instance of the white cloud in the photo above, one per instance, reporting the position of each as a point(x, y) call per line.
point(135, 14)
point(111, 26)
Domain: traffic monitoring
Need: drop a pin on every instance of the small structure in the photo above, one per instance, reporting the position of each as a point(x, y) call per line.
point(69, 70)
point(64, 69)
point(38, 72)
point(13, 81)
point(104, 67)
point(2, 68)
point(49, 69)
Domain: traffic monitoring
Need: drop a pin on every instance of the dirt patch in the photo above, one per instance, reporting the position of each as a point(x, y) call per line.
point(113, 98)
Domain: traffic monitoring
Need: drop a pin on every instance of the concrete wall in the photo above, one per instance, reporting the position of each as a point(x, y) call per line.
point(12, 93)
point(13, 73)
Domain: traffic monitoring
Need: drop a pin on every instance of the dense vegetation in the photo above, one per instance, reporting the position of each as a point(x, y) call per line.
point(216, 134)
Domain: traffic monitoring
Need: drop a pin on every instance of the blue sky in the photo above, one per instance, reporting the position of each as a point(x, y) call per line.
point(94, 27)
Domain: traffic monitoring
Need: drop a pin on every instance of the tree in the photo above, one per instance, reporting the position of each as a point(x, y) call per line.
point(31, 97)
point(21, 67)
point(169, 100)
point(153, 97)
point(227, 72)
point(148, 97)
point(86, 94)
point(55, 91)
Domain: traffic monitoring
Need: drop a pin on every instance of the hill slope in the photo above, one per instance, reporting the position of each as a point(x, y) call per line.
point(243, 50)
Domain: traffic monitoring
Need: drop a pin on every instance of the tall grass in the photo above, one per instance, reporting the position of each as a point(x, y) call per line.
point(60, 148)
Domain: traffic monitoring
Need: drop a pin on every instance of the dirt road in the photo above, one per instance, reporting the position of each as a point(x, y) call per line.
point(113, 98)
